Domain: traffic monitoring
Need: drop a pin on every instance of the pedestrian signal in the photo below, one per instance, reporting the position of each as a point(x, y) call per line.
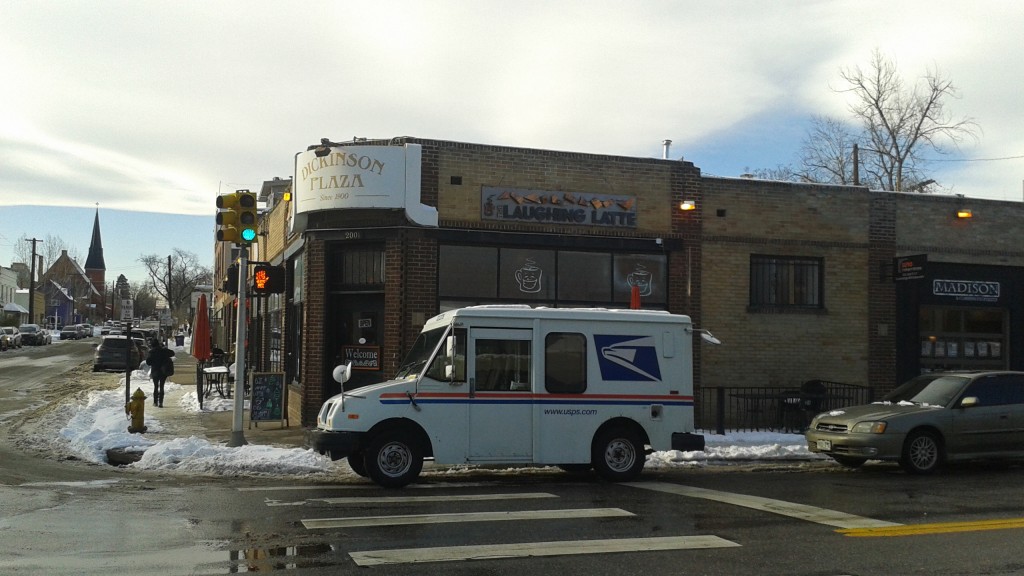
point(267, 280)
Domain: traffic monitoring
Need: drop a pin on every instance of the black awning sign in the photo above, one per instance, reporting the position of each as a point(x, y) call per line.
point(909, 267)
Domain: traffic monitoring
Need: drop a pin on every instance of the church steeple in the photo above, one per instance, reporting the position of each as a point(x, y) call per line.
point(95, 259)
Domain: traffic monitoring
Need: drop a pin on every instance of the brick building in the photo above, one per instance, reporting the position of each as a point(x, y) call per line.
point(799, 281)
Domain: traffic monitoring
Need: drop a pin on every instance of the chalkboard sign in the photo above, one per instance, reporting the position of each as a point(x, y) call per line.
point(267, 401)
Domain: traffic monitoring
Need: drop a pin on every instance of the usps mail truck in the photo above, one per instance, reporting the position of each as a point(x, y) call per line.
point(575, 388)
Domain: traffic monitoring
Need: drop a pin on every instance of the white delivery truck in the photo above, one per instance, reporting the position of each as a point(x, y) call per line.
point(575, 388)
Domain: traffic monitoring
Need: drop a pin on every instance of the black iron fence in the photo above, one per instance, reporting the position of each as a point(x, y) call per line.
point(773, 408)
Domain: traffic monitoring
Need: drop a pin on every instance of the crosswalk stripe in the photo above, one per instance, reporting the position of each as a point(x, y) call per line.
point(413, 499)
point(451, 497)
point(359, 487)
point(533, 549)
point(782, 507)
point(408, 519)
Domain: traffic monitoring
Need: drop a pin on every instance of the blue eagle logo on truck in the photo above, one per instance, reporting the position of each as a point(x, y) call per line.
point(628, 358)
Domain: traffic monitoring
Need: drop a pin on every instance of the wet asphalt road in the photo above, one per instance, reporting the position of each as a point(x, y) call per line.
point(59, 515)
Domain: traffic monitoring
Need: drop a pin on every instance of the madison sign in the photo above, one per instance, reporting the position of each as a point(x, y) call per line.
point(967, 290)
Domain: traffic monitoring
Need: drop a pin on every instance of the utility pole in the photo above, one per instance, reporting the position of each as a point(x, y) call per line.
point(237, 434)
point(169, 278)
point(32, 284)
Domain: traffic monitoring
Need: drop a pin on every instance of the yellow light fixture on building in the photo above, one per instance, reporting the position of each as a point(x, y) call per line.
point(964, 213)
point(687, 205)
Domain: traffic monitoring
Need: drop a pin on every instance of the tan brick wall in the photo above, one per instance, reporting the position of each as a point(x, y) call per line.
point(784, 349)
point(928, 225)
point(648, 180)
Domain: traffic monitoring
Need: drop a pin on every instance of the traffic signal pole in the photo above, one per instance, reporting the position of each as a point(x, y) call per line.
point(237, 435)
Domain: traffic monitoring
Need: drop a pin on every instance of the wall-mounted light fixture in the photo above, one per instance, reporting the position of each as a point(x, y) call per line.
point(687, 205)
point(963, 213)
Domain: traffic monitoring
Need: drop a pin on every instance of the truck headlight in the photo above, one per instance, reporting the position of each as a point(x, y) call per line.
point(869, 428)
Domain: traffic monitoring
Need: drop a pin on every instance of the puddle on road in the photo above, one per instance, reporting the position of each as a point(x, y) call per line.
point(272, 559)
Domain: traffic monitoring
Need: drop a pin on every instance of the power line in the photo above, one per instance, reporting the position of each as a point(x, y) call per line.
point(974, 159)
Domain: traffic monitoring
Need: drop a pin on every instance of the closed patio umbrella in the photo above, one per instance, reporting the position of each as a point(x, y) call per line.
point(201, 331)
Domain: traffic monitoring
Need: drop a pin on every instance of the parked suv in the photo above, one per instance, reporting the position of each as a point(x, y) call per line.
point(34, 335)
point(70, 332)
point(112, 352)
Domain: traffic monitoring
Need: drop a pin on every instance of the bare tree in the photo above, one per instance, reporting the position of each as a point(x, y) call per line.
point(898, 122)
point(826, 154)
point(185, 274)
point(50, 249)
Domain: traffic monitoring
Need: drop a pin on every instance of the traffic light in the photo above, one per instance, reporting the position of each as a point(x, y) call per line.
point(230, 284)
point(237, 218)
point(267, 280)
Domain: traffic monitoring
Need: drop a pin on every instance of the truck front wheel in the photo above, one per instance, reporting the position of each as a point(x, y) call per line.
point(618, 454)
point(393, 458)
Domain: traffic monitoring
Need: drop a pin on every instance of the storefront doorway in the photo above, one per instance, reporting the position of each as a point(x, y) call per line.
point(355, 333)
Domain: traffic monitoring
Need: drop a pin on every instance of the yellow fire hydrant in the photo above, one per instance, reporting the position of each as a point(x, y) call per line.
point(136, 410)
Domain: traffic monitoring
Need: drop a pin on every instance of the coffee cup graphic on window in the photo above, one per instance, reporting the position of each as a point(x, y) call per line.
point(641, 278)
point(529, 277)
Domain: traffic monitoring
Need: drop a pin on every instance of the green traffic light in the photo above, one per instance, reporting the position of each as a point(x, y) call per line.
point(248, 234)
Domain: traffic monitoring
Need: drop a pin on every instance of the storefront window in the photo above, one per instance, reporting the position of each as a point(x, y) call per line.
point(527, 274)
point(954, 338)
point(470, 275)
point(584, 276)
point(468, 271)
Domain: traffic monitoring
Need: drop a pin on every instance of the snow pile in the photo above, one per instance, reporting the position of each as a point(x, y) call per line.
point(100, 424)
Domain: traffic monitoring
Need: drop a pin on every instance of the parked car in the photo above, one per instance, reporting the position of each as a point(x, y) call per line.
point(70, 332)
point(13, 336)
point(111, 354)
point(5, 342)
point(34, 335)
point(929, 420)
point(85, 330)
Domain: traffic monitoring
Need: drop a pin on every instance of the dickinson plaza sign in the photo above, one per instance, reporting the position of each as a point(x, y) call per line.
point(348, 177)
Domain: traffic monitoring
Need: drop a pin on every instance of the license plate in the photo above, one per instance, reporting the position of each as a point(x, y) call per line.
point(824, 445)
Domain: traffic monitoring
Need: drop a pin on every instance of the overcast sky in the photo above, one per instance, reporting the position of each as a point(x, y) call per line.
point(156, 107)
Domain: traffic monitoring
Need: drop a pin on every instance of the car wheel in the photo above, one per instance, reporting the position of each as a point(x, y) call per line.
point(849, 461)
point(922, 453)
point(356, 462)
point(618, 454)
point(393, 458)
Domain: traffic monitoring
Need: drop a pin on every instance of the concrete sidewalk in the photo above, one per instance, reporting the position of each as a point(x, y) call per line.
point(215, 426)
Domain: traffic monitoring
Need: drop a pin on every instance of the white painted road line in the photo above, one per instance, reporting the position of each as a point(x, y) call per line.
point(359, 486)
point(530, 549)
point(407, 519)
point(413, 499)
point(793, 510)
point(448, 498)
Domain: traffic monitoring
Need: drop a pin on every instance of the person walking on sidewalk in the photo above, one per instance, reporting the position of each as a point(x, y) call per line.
point(161, 365)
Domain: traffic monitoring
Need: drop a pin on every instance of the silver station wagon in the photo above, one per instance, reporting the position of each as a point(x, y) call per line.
point(929, 420)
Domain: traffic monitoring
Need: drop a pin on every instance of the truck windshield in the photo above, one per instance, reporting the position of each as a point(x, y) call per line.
point(422, 348)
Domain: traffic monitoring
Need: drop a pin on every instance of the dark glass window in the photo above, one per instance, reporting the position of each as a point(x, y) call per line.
point(357, 267)
point(785, 282)
point(645, 271)
point(565, 363)
point(468, 272)
point(585, 276)
point(527, 274)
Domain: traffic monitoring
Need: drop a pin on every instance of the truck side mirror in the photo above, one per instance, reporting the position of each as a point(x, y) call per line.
point(342, 372)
